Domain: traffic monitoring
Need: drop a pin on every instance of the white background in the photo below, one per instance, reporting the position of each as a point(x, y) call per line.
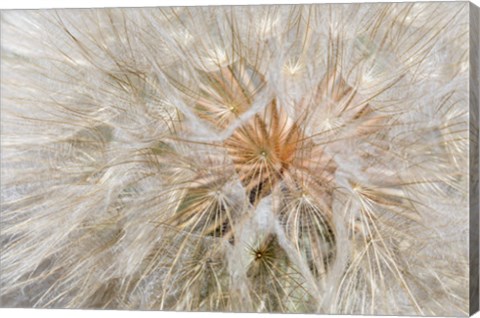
point(32, 4)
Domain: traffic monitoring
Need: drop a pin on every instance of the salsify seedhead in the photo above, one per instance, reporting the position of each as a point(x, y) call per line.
point(304, 158)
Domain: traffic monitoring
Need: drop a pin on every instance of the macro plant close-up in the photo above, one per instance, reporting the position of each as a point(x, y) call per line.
point(284, 158)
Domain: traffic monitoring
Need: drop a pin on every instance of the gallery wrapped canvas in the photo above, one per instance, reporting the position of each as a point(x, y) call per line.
point(317, 158)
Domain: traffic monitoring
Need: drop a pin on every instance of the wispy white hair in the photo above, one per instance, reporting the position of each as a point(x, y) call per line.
point(309, 158)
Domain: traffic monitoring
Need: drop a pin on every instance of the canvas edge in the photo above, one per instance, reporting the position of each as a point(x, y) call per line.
point(474, 28)
point(1, 143)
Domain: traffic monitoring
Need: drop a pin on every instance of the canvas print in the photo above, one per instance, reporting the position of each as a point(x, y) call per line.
point(313, 158)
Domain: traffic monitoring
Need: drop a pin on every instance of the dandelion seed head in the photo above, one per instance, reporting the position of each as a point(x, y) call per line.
point(274, 158)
